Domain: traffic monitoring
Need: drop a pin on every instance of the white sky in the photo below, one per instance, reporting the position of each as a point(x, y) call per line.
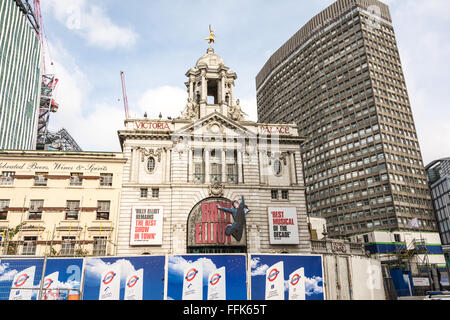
point(156, 42)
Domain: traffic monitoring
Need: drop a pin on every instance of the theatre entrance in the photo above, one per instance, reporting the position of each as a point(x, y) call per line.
point(206, 228)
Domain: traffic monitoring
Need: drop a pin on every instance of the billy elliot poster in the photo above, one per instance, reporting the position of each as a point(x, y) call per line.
point(207, 277)
point(286, 277)
point(124, 278)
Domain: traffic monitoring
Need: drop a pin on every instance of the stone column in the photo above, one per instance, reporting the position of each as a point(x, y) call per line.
point(292, 166)
point(207, 166)
point(239, 166)
point(224, 165)
point(191, 89)
point(204, 96)
point(222, 87)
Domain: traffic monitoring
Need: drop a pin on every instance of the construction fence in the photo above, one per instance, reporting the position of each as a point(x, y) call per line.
point(192, 277)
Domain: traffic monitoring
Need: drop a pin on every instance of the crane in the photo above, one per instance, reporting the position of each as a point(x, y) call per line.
point(124, 92)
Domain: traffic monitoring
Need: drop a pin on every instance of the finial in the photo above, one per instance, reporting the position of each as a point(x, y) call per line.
point(212, 36)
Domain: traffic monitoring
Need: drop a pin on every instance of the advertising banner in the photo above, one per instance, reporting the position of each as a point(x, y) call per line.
point(146, 226)
point(124, 278)
point(217, 222)
point(283, 225)
point(222, 277)
point(63, 276)
point(18, 277)
point(268, 271)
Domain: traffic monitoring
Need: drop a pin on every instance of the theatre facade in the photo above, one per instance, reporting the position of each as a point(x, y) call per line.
point(211, 181)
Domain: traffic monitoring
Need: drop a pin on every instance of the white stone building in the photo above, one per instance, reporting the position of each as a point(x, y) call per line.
point(179, 171)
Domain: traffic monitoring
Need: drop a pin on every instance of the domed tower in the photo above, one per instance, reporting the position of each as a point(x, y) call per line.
point(211, 88)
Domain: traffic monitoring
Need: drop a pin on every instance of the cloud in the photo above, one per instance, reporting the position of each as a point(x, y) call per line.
point(424, 49)
point(313, 286)
point(257, 269)
point(92, 23)
point(168, 100)
point(96, 267)
point(177, 266)
point(93, 125)
point(5, 274)
point(249, 106)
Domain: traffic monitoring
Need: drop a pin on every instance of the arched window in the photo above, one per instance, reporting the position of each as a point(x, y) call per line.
point(277, 167)
point(151, 164)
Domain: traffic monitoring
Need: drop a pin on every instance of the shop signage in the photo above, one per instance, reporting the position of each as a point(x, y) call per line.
point(284, 130)
point(150, 125)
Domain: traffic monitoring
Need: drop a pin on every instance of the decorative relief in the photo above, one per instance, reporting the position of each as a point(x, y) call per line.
point(150, 153)
point(216, 189)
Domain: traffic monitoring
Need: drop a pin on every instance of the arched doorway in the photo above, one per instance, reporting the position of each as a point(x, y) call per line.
point(206, 228)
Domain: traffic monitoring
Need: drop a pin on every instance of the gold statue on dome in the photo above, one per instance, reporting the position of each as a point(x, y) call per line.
point(211, 37)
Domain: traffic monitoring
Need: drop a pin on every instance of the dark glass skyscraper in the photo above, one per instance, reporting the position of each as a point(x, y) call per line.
point(340, 79)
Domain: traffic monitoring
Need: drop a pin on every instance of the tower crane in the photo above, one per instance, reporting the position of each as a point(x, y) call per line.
point(124, 92)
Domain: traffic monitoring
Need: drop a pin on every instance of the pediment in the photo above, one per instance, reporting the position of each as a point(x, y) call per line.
point(215, 124)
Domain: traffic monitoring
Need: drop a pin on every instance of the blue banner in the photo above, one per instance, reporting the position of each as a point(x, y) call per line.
point(182, 269)
point(124, 278)
point(302, 273)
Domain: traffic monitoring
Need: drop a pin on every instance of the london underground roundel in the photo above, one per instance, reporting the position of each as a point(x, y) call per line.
point(295, 279)
point(21, 280)
point(48, 283)
point(190, 275)
point(215, 279)
point(109, 277)
point(273, 274)
point(132, 282)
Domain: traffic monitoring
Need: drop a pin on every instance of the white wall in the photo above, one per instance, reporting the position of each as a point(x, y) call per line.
point(353, 278)
point(367, 279)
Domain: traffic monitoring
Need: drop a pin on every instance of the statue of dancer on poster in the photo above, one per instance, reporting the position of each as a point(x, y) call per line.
point(239, 212)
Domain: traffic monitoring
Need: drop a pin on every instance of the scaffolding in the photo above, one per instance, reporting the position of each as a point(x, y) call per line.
point(27, 9)
point(46, 107)
point(66, 239)
point(61, 141)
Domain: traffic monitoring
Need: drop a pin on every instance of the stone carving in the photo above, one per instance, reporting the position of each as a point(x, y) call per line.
point(216, 189)
point(235, 112)
point(150, 152)
point(191, 112)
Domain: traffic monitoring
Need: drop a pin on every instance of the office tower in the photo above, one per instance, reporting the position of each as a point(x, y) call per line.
point(439, 179)
point(340, 79)
point(20, 58)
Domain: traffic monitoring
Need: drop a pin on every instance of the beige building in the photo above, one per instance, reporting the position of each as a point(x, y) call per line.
point(60, 203)
point(181, 171)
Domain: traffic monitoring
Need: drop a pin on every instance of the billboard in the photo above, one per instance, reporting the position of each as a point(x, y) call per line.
point(124, 278)
point(62, 279)
point(146, 226)
point(207, 277)
point(283, 225)
point(18, 277)
point(286, 277)
point(217, 222)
